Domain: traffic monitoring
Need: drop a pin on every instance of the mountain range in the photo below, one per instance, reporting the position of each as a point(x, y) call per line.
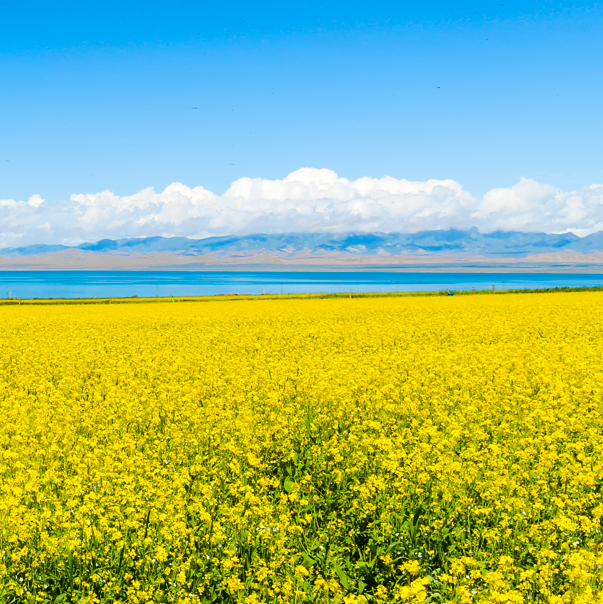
point(317, 247)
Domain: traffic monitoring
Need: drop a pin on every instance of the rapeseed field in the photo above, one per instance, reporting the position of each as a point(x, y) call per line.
point(437, 449)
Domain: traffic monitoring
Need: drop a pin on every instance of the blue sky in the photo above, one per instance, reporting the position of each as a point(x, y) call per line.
point(121, 96)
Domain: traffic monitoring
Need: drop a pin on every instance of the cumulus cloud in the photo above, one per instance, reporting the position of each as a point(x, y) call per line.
point(307, 200)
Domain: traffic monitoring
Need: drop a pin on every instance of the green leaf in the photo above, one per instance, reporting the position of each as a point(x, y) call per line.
point(289, 485)
point(308, 562)
point(345, 580)
point(70, 570)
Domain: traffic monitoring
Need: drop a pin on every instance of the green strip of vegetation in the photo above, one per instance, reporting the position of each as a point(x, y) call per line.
point(239, 297)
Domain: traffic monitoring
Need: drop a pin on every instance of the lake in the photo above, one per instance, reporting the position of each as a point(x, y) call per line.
point(105, 284)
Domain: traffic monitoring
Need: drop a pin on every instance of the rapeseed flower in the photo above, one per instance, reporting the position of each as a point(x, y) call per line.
point(351, 450)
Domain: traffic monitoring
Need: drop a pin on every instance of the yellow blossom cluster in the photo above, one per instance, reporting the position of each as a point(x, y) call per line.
point(352, 451)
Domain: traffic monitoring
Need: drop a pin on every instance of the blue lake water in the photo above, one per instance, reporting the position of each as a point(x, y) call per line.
point(104, 284)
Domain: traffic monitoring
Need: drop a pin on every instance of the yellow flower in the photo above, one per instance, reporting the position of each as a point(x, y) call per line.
point(304, 449)
point(412, 567)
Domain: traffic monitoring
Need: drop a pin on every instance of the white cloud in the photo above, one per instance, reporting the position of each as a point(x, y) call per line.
point(306, 200)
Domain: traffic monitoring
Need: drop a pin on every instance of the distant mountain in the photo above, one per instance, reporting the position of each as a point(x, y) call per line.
point(31, 250)
point(452, 242)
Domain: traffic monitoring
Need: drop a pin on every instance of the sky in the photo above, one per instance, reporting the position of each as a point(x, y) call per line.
point(107, 108)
